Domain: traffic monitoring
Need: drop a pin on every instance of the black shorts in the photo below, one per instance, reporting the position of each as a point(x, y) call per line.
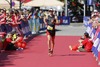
point(11, 46)
point(51, 32)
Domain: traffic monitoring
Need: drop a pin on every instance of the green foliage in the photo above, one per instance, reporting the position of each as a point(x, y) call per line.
point(76, 7)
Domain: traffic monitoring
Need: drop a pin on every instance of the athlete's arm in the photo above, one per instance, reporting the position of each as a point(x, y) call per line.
point(57, 22)
point(45, 20)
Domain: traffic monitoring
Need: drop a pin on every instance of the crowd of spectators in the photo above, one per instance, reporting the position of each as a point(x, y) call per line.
point(23, 22)
point(90, 37)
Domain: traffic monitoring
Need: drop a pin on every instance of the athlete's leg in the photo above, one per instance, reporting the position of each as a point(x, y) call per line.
point(49, 43)
point(52, 44)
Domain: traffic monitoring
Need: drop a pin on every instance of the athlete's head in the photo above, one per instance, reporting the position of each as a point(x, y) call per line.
point(51, 11)
point(86, 35)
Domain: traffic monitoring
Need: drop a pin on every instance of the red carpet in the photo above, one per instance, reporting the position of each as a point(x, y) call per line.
point(36, 55)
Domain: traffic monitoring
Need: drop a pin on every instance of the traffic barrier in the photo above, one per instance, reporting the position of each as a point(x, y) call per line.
point(95, 36)
point(25, 28)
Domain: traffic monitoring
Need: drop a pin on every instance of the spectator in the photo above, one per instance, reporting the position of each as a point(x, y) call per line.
point(19, 41)
point(84, 46)
point(15, 21)
point(75, 19)
point(3, 20)
point(9, 43)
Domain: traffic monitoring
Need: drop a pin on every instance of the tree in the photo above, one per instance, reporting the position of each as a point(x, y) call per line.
point(61, 0)
point(76, 7)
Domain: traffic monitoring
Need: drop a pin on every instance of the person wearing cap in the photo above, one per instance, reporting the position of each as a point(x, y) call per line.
point(85, 44)
point(96, 12)
point(94, 18)
point(97, 25)
point(50, 21)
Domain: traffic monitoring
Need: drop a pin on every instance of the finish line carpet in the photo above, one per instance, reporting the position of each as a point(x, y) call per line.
point(36, 55)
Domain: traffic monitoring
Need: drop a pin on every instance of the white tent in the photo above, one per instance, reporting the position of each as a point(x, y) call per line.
point(57, 8)
point(44, 3)
point(5, 4)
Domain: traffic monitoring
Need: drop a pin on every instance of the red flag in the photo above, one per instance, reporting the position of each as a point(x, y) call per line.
point(25, 1)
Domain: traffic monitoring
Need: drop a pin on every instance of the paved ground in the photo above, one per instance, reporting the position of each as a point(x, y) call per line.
point(36, 52)
point(74, 29)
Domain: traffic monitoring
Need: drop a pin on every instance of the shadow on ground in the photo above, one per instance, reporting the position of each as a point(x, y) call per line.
point(71, 55)
point(7, 58)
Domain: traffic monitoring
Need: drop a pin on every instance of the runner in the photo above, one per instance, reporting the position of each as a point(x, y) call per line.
point(50, 20)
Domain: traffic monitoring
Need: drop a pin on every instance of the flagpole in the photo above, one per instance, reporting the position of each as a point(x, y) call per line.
point(66, 8)
point(94, 6)
point(84, 9)
point(10, 4)
point(20, 4)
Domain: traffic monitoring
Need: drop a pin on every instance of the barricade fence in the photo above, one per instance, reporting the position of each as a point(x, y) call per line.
point(64, 20)
point(94, 33)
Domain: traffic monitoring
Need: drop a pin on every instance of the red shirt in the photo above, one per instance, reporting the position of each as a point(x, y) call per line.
point(3, 18)
point(20, 39)
point(87, 44)
point(14, 20)
point(6, 42)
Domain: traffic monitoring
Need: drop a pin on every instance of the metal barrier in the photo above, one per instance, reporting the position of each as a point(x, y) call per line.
point(95, 36)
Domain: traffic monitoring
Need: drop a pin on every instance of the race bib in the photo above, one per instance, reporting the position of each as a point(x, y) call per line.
point(49, 28)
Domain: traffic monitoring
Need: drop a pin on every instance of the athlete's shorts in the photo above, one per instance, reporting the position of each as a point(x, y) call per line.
point(51, 33)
